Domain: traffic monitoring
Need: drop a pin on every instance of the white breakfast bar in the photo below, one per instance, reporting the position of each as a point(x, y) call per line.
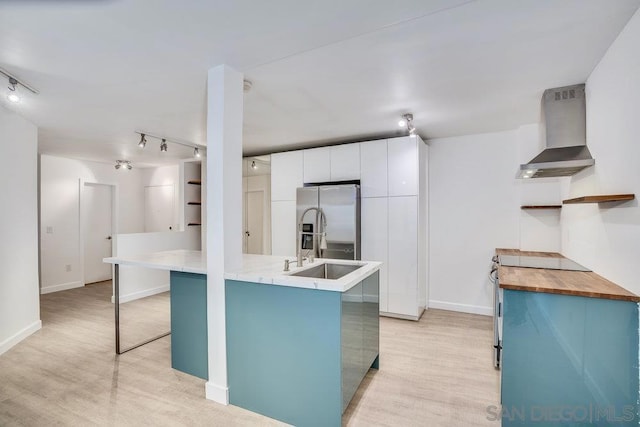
point(298, 343)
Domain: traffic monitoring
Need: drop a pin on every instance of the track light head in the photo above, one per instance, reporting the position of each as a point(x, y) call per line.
point(163, 146)
point(407, 120)
point(254, 166)
point(13, 94)
point(143, 141)
point(196, 153)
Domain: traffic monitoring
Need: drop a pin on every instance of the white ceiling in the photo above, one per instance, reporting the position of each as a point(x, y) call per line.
point(324, 71)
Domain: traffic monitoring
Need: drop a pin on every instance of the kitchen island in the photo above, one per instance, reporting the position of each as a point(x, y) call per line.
point(298, 343)
point(570, 348)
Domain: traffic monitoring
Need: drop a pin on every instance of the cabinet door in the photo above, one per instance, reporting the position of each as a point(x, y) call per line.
point(317, 165)
point(283, 229)
point(375, 240)
point(403, 166)
point(403, 255)
point(345, 162)
point(286, 175)
point(373, 168)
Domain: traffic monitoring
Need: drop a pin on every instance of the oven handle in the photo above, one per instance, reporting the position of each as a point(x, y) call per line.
point(493, 277)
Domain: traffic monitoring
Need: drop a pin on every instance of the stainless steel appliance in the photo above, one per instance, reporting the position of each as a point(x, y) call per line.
point(564, 122)
point(497, 312)
point(341, 207)
point(522, 262)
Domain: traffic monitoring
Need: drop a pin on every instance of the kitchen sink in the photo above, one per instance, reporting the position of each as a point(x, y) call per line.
point(328, 271)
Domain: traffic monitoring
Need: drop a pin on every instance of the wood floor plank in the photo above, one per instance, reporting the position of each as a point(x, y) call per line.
point(435, 372)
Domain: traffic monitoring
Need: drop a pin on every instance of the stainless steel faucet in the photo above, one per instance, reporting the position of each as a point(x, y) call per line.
point(323, 243)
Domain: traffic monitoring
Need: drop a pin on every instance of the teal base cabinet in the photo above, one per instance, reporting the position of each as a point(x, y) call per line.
point(189, 348)
point(298, 355)
point(569, 361)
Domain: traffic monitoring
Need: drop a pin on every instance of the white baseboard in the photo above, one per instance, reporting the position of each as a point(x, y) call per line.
point(141, 294)
point(15, 339)
point(216, 393)
point(61, 287)
point(462, 308)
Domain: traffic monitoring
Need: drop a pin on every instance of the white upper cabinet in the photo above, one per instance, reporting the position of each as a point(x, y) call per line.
point(403, 166)
point(286, 175)
point(373, 169)
point(317, 165)
point(345, 162)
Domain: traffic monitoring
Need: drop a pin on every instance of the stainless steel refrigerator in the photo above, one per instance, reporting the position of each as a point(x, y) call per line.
point(341, 207)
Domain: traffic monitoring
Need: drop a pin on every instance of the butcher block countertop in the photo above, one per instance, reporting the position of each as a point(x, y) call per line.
point(578, 283)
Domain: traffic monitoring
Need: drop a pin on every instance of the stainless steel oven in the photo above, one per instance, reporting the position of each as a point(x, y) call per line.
point(497, 312)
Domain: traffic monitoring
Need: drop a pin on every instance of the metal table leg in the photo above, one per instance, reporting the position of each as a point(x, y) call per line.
point(116, 291)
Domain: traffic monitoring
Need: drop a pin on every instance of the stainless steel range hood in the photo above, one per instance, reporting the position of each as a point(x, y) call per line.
point(564, 120)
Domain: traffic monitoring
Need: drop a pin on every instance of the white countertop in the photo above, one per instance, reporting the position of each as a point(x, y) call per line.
point(177, 260)
point(266, 269)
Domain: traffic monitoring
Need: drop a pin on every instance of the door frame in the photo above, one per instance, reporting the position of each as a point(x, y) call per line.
point(82, 220)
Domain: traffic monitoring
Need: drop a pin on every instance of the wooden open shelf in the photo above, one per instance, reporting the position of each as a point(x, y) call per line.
point(600, 199)
point(541, 207)
point(195, 181)
point(194, 224)
point(194, 203)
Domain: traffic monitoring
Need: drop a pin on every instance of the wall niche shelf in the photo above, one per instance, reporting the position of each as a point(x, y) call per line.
point(194, 224)
point(195, 182)
point(541, 207)
point(194, 203)
point(600, 199)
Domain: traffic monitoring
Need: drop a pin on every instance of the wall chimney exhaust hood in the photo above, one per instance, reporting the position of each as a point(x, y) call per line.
point(564, 121)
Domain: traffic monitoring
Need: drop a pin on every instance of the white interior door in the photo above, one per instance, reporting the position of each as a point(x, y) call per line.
point(158, 208)
point(96, 205)
point(255, 216)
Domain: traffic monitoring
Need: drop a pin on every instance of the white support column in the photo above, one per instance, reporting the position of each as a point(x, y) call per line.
point(224, 207)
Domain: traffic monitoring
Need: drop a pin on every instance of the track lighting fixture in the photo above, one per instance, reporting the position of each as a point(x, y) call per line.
point(407, 120)
point(253, 165)
point(13, 94)
point(197, 149)
point(123, 164)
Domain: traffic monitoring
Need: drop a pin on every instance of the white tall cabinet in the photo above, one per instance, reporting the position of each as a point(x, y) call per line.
point(394, 210)
point(286, 177)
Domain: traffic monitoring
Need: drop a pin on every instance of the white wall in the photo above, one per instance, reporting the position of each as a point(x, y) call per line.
point(474, 204)
point(161, 176)
point(474, 208)
point(60, 214)
point(19, 302)
point(606, 237)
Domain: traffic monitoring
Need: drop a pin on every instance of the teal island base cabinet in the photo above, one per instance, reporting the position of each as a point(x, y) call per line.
point(569, 361)
point(298, 354)
point(189, 351)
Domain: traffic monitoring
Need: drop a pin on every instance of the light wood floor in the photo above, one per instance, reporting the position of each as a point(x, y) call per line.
point(435, 372)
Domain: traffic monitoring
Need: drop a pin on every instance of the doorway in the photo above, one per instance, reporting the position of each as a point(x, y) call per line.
point(97, 230)
point(254, 217)
point(159, 205)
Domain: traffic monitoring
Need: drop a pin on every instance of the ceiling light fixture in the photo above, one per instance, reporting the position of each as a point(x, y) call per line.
point(198, 150)
point(407, 120)
point(13, 94)
point(123, 164)
point(253, 165)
